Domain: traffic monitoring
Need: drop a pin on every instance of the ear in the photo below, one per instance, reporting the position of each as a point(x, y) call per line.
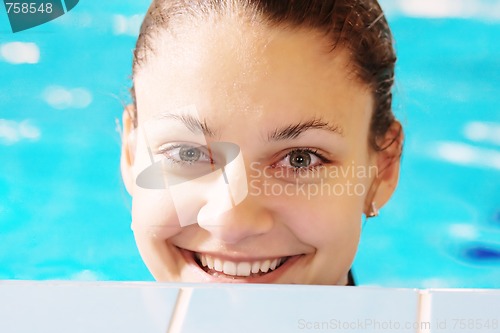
point(128, 149)
point(388, 163)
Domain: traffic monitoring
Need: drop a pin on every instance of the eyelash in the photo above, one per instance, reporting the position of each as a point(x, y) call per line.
point(164, 150)
point(299, 171)
point(168, 148)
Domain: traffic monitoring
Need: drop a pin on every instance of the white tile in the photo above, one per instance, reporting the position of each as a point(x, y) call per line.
point(271, 308)
point(63, 307)
point(462, 310)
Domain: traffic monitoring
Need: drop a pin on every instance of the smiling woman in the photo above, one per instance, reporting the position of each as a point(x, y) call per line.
point(248, 114)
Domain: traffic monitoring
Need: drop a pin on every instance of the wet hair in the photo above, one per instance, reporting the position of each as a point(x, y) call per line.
point(358, 26)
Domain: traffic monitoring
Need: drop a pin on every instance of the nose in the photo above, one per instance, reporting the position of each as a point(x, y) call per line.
point(247, 219)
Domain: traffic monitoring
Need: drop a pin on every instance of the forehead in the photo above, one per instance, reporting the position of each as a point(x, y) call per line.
point(229, 67)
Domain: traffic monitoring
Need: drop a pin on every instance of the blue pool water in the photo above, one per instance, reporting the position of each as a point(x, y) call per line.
point(64, 213)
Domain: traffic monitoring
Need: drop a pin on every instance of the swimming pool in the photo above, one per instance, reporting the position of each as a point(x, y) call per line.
point(64, 213)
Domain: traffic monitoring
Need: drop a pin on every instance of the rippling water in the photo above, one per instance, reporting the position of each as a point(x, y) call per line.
point(65, 215)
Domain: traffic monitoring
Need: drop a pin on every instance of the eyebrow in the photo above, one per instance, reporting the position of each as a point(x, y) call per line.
point(288, 132)
point(293, 131)
point(192, 123)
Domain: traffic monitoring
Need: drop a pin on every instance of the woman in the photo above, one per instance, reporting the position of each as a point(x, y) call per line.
point(261, 132)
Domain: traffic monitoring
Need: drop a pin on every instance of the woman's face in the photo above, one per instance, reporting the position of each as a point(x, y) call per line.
point(261, 136)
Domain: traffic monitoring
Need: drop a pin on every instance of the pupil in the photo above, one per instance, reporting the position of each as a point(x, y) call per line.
point(300, 160)
point(189, 154)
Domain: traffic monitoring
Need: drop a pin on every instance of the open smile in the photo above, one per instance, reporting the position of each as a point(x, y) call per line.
point(222, 269)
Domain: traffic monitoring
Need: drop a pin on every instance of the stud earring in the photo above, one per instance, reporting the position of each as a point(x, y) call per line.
point(373, 210)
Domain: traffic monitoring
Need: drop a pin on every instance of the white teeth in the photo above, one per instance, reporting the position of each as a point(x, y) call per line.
point(265, 266)
point(218, 265)
point(273, 264)
point(210, 262)
point(244, 268)
point(229, 268)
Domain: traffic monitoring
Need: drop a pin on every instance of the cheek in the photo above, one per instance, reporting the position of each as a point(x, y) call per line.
point(153, 213)
point(323, 221)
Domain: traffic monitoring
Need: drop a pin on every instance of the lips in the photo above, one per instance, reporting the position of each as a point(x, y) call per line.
point(213, 265)
point(215, 268)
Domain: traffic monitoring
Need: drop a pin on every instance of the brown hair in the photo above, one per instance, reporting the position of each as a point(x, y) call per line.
point(359, 26)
